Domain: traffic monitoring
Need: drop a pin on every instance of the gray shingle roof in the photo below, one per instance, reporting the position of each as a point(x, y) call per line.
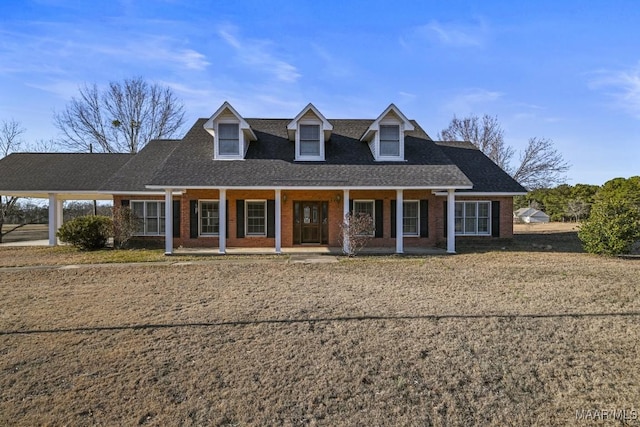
point(58, 172)
point(270, 161)
point(486, 176)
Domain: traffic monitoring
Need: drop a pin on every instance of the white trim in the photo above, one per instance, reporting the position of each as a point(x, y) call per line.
point(144, 217)
point(345, 212)
point(323, 187)
point(200, 233)
point(222, 221)
point(417, 202)
point(278, 221)
point(480, 194)
point(489, 218)
point(399, 221)
point(451, 222)
point(168, 225)
point(53, 220)
point(306, 157)
point(246, 218)
point(245, 133)
point(372, 134)
point(292, 127)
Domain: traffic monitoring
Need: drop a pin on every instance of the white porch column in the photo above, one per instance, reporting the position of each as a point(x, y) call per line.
point(345, 211)
point(168, 222)
point(59, 214)
point(53, 220)
point(222, 216)
point(451, 222)
point(399, 221)
point(278, 221)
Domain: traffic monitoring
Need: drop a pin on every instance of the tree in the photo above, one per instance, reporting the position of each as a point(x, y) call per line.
point(10, 140)
point(612, 228)
point(123, 118)
point(540, 164)
point(355, 231)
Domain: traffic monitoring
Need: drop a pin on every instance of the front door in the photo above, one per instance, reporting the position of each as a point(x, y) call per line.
point(310, 222)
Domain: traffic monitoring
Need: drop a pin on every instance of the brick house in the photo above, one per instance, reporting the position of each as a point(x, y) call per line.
point(240, 182)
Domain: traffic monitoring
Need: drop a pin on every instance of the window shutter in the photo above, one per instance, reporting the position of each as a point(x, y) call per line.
point(495, 218)
point(271, 218)
point(176, 218)
point(379, 221)
point(350, 206)
point(226, 210)
point(393, 218)
point(424, 218)
point(193, 219)
point(240, 219)
point(124, 203)
point(444, 209)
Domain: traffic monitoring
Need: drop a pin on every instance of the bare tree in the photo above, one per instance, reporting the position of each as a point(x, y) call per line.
point(10, 140)
point(578, 209)
point(355, 231)
point(540, 164)
point(123, 118)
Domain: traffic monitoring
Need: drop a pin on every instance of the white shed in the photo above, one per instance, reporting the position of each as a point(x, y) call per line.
point(530, 216)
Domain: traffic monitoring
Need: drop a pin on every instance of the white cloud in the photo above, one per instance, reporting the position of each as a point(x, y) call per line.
point(256, 53)
point(452, 34)
point(468, 101)
point(623, 87)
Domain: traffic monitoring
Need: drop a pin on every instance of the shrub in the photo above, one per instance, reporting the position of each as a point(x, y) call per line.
point(87, 232)
point(125, 224)
point(357, 229)
point(612, 228)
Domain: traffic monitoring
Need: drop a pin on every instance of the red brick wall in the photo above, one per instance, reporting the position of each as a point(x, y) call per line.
point(335, 203)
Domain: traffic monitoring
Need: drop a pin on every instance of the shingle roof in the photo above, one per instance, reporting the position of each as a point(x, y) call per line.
point(270, 161)
point(486, 176)
point(138, 171)
point(58, 172)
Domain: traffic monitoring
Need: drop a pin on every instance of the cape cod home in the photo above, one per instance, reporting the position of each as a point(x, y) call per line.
point(238, 182)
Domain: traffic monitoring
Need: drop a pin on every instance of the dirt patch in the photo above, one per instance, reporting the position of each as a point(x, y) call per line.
point(496, 338)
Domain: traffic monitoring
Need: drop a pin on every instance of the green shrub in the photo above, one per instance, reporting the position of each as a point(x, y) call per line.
point(87, 232)
point(612, 228)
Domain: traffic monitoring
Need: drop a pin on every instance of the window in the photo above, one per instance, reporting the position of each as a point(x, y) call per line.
point(256, 212)
point(390, 140)
point(310, 140)
point(365, 207)
point(472, 218)
point(410, 218)
point(209, 218)
point(228, 139)
point(151, 218)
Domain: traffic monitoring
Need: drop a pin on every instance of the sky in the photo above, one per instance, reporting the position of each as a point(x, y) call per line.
point(564, 70)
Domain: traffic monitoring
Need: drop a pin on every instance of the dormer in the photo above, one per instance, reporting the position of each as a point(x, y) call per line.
point(309, 129)
point(231, 133)
point(386, 134)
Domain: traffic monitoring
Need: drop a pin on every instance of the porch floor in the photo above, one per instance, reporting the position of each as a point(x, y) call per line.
point(306, 250)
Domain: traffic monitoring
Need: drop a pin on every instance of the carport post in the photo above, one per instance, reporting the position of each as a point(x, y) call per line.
point(168, 222)
point(451, 221)
point(345, 212)
point(53, 220)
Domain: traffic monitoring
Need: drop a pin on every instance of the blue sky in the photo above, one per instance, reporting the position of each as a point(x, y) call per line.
point(564, 70)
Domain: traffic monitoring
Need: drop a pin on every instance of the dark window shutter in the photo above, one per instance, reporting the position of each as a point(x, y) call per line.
point(226, 210)
point(379, 219)
point(350, 206)
point(240, 219)
point(495, 218)
point(424, 218)
point(393, 218)
point(193, 219)
point(176, 218)
point(271, 218)
point(444, 209)
point(124, 203)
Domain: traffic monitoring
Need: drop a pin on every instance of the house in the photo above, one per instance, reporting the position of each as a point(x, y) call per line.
point(239, 182)
point(530, 216)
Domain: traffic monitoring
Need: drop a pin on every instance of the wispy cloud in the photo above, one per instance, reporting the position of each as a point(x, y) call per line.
point(623, 86)
point(452, 34)
point(257, 53)
point(469, 100)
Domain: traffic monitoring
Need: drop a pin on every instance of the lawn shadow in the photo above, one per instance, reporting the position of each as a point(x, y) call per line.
point(525, 241)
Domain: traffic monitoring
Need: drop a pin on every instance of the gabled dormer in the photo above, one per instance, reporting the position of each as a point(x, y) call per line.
point(231, 133)
point(309, 129)
point(385, 136)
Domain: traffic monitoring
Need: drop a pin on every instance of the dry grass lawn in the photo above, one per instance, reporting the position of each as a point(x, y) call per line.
point(504, 337)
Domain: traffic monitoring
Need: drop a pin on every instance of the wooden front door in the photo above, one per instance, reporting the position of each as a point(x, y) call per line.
point(310, 225)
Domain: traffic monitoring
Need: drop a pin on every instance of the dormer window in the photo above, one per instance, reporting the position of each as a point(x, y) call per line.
point(389, 140)
point(309, 140)
point(229, 139)
point(231, 133)
point(385, 135)
point(309, 130)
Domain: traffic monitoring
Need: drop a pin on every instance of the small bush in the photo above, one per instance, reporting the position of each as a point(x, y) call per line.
point(356, 230)
point(612, 228)
point(87, 232)
point(125, 224)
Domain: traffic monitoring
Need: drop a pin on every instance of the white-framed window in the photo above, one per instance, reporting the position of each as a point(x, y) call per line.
point(473, 218)
point(389, 140)
point(411, 218)
point(209, 217)
point(229, 139)
point(256, 217)
point(310, 140)
point(151, 217)
point(365, 207)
